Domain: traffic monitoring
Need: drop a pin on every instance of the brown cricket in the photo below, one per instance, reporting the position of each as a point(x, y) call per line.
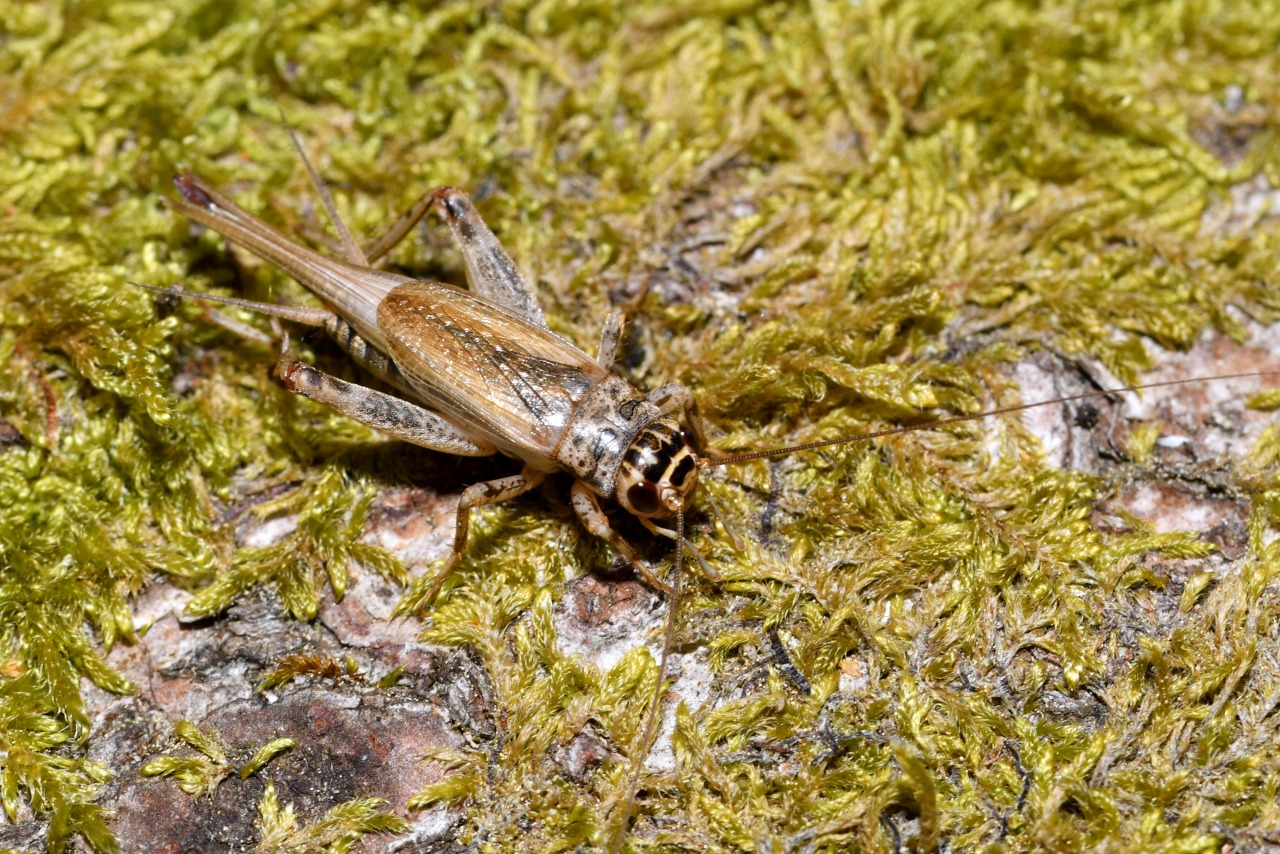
point(480, 373)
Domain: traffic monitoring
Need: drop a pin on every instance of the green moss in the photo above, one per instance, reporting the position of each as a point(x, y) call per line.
point(196, 775)
point(201, 775)
point(264, 754)
point(292, 667)
point(852, 215)
point(338, 831)
point(331, 514)
point(38, 772)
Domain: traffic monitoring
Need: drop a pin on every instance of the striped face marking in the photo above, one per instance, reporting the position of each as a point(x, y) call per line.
point(658, 472)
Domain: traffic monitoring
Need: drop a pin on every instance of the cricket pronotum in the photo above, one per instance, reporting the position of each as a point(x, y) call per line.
point(480, 373)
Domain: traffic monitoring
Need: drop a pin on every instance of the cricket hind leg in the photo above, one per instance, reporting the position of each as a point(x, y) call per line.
point(343, 333)
point(366, 355)
point(490, 271)
point(476, 495)
point(385, 413)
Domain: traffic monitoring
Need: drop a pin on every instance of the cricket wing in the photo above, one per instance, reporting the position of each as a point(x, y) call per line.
point(489, 370)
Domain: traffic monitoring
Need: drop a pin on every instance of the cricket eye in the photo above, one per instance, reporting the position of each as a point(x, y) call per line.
point(644, 498)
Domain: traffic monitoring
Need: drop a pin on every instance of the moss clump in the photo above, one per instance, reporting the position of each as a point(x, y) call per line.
point(39, 773)
point(201, 775)
point(849, 215)
point(197, 775)
point(337, 832)
point(331, 514)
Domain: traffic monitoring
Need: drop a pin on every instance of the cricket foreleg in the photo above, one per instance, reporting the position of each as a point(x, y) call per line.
point(477, 495)
point(674, 396)
point(609, 338)
point(707, 569)
point(588, 508)
point(383, 412)
point(614, 324)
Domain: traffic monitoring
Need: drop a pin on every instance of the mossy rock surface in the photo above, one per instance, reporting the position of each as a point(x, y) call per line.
point(1046, 631)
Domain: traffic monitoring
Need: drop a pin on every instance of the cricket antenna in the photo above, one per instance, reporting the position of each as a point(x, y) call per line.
point(640, 751)
point(715, 462)
point(354, 254)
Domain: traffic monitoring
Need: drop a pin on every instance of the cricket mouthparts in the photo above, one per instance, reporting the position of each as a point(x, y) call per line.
point(188, 185)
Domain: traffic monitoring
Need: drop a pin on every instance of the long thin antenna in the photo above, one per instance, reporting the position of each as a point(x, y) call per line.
point(639, 755)
point(716, 462)
point(354, 254)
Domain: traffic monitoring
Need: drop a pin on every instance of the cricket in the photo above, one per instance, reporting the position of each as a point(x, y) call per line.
point(478, 373)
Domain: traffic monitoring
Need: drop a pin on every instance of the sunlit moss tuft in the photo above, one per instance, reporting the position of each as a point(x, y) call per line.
point(317, 666)
point(339, 830)
point(331, 515)
point(58, 787)
point(198, 775)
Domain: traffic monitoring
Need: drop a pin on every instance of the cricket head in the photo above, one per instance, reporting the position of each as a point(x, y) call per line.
point(659, 472)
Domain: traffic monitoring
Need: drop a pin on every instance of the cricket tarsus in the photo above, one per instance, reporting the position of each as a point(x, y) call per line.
point(716, 462)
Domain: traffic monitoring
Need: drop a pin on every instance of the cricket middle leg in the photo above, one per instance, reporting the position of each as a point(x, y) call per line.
point(476, 495)
point(587, 506)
